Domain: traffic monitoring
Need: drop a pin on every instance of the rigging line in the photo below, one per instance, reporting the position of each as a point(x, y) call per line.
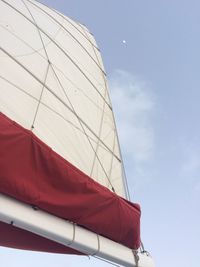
point(20, 39)
point(125, 181)
point(68, 20)
point(78, 88)
point(111, 165)
point(38, 53)
point(142, 246)
point(80, 121)
point(43, 87)
point(55, 20)
point(100, 130)
point(142, 249)
point(103, 110)
point(124, 178)
point(99, 136)
point(54, 94)
point(57, 113)
point(37, 29)
point(62, 50)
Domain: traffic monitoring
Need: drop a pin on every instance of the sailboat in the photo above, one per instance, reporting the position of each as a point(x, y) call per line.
point(62, 182)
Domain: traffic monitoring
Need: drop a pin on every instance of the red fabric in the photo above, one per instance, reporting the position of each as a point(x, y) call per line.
point(32, 172)
point(13, 237)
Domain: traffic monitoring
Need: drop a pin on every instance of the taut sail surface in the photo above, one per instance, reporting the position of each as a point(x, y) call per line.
point(53, 83)
point(59, 150)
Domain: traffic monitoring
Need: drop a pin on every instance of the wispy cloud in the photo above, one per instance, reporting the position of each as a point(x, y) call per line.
point(133, 105)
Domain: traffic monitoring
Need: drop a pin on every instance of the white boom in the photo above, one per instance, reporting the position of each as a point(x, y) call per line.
point(64, 232)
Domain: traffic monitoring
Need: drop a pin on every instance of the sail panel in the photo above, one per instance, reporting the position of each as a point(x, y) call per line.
point(53, 69)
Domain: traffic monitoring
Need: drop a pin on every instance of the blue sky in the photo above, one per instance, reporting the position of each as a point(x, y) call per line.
point(155, 86)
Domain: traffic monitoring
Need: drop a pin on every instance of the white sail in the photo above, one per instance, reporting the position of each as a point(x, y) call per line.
point(63, 96)
point(53, 83)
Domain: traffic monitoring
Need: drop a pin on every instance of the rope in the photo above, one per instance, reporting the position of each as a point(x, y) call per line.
point(83, 129)
point(124, 178)
point(60, 48)
point(69, 22)
point(56, 96)
point(99, 247)
point(64, 28)
point(37, 27)
point(43, 87)
point(73, 237)
point(40, 30)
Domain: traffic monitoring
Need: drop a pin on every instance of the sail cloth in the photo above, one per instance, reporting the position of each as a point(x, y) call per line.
point(53, 83)
point(58, 142)
point(34, 174)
